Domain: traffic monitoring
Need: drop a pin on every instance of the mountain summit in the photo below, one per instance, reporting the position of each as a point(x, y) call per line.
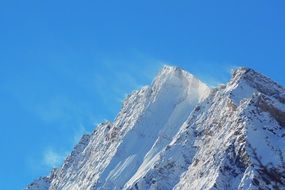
point(178, 133)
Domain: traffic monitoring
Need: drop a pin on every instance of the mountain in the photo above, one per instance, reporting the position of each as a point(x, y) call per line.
point(178, 133)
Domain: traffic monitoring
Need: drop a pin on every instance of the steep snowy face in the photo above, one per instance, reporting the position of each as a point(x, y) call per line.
point(115, 152)
point(169, 101)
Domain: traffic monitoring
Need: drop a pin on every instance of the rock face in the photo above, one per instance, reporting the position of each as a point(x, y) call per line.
point(179, 134)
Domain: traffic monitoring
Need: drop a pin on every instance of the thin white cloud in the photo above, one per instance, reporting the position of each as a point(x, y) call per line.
point(122, 76)
point(52, 158)
point(55, 109)
point(213, 74)
point(61, 111)
point(79, 132)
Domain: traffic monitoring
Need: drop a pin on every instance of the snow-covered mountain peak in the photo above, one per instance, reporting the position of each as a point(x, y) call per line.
point(256, 80)
point(177, 133)
point(171, 76)
point(170, 68)
point(169, 73)
point(245, 82)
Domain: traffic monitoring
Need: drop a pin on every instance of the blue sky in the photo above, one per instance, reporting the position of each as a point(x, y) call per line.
point(67, 65)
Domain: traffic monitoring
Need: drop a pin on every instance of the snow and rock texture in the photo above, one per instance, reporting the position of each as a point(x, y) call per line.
point(179, 134)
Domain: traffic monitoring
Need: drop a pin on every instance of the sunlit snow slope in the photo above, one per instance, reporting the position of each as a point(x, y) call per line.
point(179, 134)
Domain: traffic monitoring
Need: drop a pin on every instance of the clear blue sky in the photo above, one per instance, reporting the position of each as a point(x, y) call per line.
point(67, 65)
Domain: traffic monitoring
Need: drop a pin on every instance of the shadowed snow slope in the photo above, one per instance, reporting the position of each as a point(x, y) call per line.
point(179, 134)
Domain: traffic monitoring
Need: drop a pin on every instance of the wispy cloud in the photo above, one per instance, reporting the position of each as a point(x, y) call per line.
point(57, 108)
point(213, 73)
point(117, 76)
point(52, 158)
point(78, 133)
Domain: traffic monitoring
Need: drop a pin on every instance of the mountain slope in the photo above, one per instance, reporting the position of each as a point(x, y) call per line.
point(179, 134)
